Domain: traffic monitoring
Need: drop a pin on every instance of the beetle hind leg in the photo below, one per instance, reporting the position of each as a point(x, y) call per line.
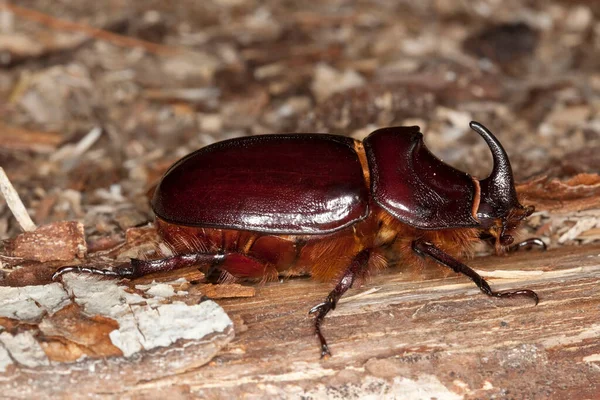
point(424, 248)
point(357, 268)
point(136, 267)
point(81, 269)
point(236, 264)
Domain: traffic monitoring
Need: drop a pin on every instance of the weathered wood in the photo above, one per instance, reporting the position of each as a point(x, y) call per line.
point(391, 336)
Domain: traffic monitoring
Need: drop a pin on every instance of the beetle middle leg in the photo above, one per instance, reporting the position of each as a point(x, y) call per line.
point(424, 248)
point(356, 269)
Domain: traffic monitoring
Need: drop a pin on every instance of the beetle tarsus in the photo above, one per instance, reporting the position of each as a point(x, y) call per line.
point(321, 310)
point(121, 272)
point(424, 248)
point(528, 244)
point(318, 308)
point(521, 292)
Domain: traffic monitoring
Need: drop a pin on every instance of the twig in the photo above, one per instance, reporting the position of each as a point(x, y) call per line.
point(15, 204)
point(101, 34)
point(70, 154)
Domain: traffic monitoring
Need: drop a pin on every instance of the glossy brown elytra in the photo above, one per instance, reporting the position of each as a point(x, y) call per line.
point(336, 208)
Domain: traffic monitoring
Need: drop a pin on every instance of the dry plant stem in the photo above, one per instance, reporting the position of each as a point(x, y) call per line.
point(15, 204)
point(59, 24)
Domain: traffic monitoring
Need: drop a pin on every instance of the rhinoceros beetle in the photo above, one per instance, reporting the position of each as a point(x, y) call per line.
point(338, 209)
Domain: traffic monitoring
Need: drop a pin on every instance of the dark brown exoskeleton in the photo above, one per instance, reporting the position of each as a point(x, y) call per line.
point(336, 208)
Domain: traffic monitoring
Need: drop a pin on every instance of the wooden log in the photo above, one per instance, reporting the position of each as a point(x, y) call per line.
point(436, 337)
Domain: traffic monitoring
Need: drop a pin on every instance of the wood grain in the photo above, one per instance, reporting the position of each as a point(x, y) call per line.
point(385, 336)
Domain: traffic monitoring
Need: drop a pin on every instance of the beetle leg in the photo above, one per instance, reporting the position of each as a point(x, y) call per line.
point(424, 248)
point(81, 269)
point(528, 244)
point(356, 269)
point(138, 267)
point(237, 264)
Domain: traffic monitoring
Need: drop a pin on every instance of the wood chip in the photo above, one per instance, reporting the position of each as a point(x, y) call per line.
point(62, 241)
point(224, 291)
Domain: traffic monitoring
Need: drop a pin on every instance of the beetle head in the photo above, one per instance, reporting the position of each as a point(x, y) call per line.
point(499, 210)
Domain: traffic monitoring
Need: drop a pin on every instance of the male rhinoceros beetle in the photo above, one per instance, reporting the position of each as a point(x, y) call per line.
point(336, 208)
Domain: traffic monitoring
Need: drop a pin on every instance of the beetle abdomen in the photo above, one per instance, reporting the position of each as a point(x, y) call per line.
point(322, 256)
point(295, 184)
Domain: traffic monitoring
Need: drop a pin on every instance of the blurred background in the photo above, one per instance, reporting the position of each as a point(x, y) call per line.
point(98, 98)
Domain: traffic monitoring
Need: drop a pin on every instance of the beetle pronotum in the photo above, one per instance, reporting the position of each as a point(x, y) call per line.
point(336, 208)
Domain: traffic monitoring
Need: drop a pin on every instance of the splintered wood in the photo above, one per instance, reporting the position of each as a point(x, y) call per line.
point(579, 193)
point(568, 210)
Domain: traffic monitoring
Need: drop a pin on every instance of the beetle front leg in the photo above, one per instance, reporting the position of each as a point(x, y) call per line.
point(525, 244)
point(528, 244)
point(357, 268)
point(424, 248)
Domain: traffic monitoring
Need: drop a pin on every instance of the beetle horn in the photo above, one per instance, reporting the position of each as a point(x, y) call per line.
point(498, 189)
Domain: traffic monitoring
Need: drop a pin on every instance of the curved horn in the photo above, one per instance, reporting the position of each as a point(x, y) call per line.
point(499, 187)
point(502, 171)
